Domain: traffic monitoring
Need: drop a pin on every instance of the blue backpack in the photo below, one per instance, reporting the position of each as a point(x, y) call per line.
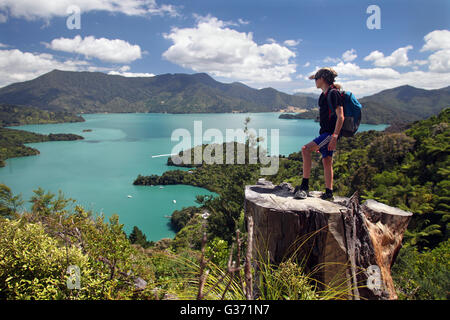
point(352, 112)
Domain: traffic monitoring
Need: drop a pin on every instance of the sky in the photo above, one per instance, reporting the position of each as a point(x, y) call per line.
point(372, 45)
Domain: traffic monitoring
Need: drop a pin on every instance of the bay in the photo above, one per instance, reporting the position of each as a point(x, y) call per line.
point(99, 171)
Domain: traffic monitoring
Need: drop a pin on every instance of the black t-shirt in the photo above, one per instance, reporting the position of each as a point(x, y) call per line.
point(328, 119)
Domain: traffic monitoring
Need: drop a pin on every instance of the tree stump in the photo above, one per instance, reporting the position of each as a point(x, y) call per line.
point(342, 244)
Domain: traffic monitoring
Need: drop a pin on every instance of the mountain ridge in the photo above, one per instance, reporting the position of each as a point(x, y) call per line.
point(90, 92)
point(96, 92)
point(404, 104)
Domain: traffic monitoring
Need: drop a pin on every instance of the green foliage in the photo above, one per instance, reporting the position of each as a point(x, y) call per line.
point(217, 251)
point(138, 237)
point(286, 281)
point(180, 218)
point(190, 235)
point(33, 265)
point(425, 275)
point(11, 115)
point(37, 248)
point(8, 202)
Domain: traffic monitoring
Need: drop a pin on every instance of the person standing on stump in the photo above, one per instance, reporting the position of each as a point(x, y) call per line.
point(330, 128)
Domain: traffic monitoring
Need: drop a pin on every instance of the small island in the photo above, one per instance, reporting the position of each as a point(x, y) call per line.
point(310, 114)
point(87, 130)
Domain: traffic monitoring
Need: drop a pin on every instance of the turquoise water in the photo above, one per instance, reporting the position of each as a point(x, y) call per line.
point(99, 171)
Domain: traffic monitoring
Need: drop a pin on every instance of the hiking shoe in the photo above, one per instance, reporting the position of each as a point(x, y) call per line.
point(327, 196)
point(300, 193)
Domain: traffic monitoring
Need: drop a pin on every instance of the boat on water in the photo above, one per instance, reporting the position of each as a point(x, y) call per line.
point(129, 196)
point(174, 201)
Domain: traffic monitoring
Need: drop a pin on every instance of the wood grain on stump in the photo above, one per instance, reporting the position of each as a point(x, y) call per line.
point(342, 244)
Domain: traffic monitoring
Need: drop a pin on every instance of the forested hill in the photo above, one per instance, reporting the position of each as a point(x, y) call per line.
point(11, 115)
point(92, 92)
point(405, 104)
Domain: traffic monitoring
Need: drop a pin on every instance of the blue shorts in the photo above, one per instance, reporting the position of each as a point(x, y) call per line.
point(322, 141)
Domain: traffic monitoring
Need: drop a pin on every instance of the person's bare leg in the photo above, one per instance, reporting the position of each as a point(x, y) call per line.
point(307, 150)
point(328, 171)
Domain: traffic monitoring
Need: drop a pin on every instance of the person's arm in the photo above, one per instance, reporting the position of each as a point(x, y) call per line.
point(340, 120)
point(337, 128)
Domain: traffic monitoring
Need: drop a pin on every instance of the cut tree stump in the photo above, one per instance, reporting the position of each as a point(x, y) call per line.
point(342, 244)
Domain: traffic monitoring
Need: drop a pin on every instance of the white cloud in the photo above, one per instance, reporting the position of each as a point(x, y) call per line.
point(440, 61)
point(116, 50)
point(123, 71)
point(367, 81)
point(398, 58)
point(331, 60)
point(420, 62)
point(291, 43)
point(205, 19)
point(242, 21)
point(16, 65)
point(307, 64)
point(165, 9)
point(369, 86)
point(438, 41)
point(353, 70)
point(46, 9)
point(349, 55)
point(419, 79)
point(212, 47)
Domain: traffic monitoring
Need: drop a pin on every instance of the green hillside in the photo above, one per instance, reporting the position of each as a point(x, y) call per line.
point(92, 92)
point(11, 115)
point(405, 104)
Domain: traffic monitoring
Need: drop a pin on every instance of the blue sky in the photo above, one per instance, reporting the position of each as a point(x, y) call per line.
point(260, 43)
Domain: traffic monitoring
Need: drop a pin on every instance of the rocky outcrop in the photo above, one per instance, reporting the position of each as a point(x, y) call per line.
point(342, 244)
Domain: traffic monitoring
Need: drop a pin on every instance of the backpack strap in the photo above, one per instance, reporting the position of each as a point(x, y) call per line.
point(328, 96)
point(330, 108)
